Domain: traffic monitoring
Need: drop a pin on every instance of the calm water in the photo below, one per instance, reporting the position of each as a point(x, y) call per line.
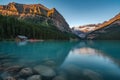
point(84, 60)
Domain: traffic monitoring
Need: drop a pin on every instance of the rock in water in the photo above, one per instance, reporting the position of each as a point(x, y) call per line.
point(92, 75)
point(49, 62)
point(45, 71)
point(9, 78)
point(15, 68)
point(34, 77)
point(60, 78)
point(20, 79)
point(4, 75)
point(26, 72)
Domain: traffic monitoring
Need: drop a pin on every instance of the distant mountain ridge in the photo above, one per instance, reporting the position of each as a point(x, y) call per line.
point(107, 23)
point(35, 12)
point(106, 30)
point(109, 30)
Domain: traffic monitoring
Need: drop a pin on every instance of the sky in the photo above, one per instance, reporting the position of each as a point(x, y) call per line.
point(79, 12)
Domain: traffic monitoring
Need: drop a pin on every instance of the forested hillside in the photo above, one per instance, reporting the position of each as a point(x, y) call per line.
point(10, 27)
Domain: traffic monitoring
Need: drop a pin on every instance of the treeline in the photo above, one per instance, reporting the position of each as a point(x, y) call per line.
point(10, 27)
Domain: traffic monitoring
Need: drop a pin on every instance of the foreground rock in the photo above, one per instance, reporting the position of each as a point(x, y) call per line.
point(9, 78)
point(4, 74)
point(26, 72)
point(45, 71)
point(20, 79)
point(92, 75)
point(15, 68)
point(34, 77)
point(60, 78)
point(49, 62)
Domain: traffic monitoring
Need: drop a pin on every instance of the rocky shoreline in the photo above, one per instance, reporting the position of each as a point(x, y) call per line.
point(47, 69)
point(43, 71)
point(40, 72)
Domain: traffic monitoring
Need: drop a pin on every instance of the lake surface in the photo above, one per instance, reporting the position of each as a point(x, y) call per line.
point(83, 60)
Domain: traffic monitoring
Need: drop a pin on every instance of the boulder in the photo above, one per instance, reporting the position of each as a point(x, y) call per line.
point(45, 71)
point(92, 75)
point(60, 78)
point(4, 75)
point(26, 72)
point(20, 79)
point(15, 68)
point(51, 63)
point(34, 77)
point(9, 78)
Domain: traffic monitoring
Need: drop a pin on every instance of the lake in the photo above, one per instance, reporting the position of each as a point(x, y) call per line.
point(80, 60)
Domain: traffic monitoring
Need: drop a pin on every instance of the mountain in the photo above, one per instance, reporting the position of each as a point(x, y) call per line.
point(82, 31)
point(34, 21)
point(85, 28)
point(35, 12)
point(108, 30)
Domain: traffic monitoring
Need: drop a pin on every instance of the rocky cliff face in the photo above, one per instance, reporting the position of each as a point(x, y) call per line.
point(58, 19)
point(37, 13)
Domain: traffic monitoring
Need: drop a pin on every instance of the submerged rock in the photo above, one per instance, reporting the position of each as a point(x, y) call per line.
point(61, 73)
point(34, 77)
point(4, 75)
point(60, 78)
point(26, 72)
point(92, 75)
point(73, 70)
point(15, 68)
point(45, 71)
point(49, 62)
point(7, 64)
point(9, 78)
point(20, 79)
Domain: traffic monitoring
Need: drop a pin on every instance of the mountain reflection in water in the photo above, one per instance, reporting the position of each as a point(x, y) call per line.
point(91, 63)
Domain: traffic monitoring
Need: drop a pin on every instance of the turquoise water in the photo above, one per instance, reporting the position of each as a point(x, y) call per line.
point(84, 60)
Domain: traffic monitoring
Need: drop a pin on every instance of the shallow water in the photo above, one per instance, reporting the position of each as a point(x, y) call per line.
point(84, 60)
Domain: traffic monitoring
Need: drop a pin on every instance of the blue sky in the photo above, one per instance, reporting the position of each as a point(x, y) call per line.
point(79, 12)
